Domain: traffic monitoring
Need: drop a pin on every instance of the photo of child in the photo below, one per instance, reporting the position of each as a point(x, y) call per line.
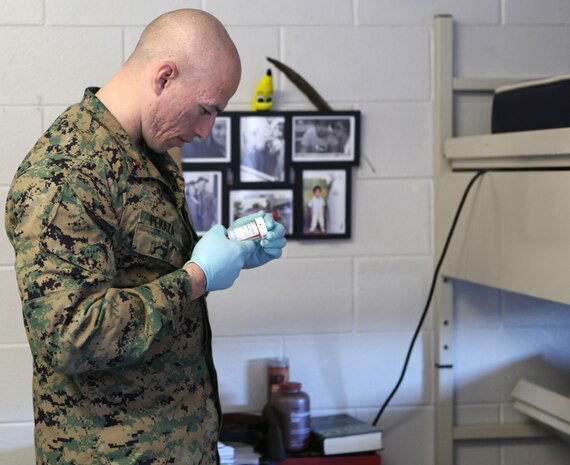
point(324, 202)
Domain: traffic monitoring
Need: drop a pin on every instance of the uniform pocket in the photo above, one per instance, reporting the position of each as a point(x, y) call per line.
point(155, 243)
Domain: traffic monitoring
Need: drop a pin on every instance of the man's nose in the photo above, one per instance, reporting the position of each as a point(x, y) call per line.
point(204, 127)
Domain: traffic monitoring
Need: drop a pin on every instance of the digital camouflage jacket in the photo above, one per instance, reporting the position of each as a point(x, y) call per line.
point(123, 370)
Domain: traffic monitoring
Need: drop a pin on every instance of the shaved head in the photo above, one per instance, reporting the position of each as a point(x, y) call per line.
point(190, 38)
point(180, 76)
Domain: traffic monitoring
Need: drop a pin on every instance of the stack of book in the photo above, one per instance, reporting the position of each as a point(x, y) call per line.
point(340, 440)
point(227, 454)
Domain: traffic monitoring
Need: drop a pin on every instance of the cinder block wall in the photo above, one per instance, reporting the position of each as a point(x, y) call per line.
point(342, 311)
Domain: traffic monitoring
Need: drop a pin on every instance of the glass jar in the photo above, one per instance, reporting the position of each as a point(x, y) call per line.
point(277, 373)
point(293, 408)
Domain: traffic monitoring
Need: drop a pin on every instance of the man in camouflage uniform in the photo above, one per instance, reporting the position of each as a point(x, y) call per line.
point(111, 274)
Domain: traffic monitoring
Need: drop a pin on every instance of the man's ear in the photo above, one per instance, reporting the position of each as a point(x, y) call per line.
point(165, 72)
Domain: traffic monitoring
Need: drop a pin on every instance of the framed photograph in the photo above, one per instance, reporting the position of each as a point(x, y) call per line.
point(326, 137)
point(263, 148)
point(217, 148)
point(204, 193)
point(278, 202)
point(324, 197)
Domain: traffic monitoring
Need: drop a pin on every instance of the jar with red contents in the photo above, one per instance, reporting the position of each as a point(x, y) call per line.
point(277, 373)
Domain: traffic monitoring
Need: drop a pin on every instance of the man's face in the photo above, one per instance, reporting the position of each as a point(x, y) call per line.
point(177, 118)
point(185, 109)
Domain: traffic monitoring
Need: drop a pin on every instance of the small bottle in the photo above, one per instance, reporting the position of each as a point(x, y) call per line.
point(293, 408)
point(256, 229)
point(277, 373)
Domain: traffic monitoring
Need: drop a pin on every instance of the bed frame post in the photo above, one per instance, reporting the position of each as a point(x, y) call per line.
point(443, 298)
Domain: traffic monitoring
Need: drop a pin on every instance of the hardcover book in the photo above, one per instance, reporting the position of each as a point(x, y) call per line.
point(345, 434)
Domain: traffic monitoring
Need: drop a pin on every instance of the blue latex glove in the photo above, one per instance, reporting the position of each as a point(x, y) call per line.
point(268, 248)
point(220, 258)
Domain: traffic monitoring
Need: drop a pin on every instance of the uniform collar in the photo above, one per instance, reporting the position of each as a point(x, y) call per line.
point(102, 114)
point(144, 161)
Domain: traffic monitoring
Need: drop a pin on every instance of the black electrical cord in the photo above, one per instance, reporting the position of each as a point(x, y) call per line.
point(430, 295)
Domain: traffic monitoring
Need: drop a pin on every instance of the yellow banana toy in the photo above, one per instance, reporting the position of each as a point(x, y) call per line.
point(263, 97)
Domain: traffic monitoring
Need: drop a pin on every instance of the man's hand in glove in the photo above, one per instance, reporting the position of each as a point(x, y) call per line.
point(220, 259)
point(266, 249)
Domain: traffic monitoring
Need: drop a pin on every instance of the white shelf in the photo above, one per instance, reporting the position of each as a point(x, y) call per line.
point(548, 148)
point(547, 407)
point(506, 431)
point(477, 84)
point(512, 233)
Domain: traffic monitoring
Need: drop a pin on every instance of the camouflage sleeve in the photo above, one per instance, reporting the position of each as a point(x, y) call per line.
point(75, 319)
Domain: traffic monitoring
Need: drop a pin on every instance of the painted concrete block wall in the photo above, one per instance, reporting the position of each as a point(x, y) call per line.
point(342, 311)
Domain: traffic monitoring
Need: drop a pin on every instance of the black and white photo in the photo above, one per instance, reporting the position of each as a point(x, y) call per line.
point(325, 138)
point(215, 149)
point(262, 149)
point(204, 194)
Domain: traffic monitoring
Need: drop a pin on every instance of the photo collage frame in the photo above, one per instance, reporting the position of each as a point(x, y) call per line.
point(297, 166)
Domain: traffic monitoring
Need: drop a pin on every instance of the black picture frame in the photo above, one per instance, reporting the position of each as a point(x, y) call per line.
point(325, 137)
point(279, 202)
point(297, 170)
point(217, 148)
point(329, 218)
point(205, 194)
point(263, 148)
